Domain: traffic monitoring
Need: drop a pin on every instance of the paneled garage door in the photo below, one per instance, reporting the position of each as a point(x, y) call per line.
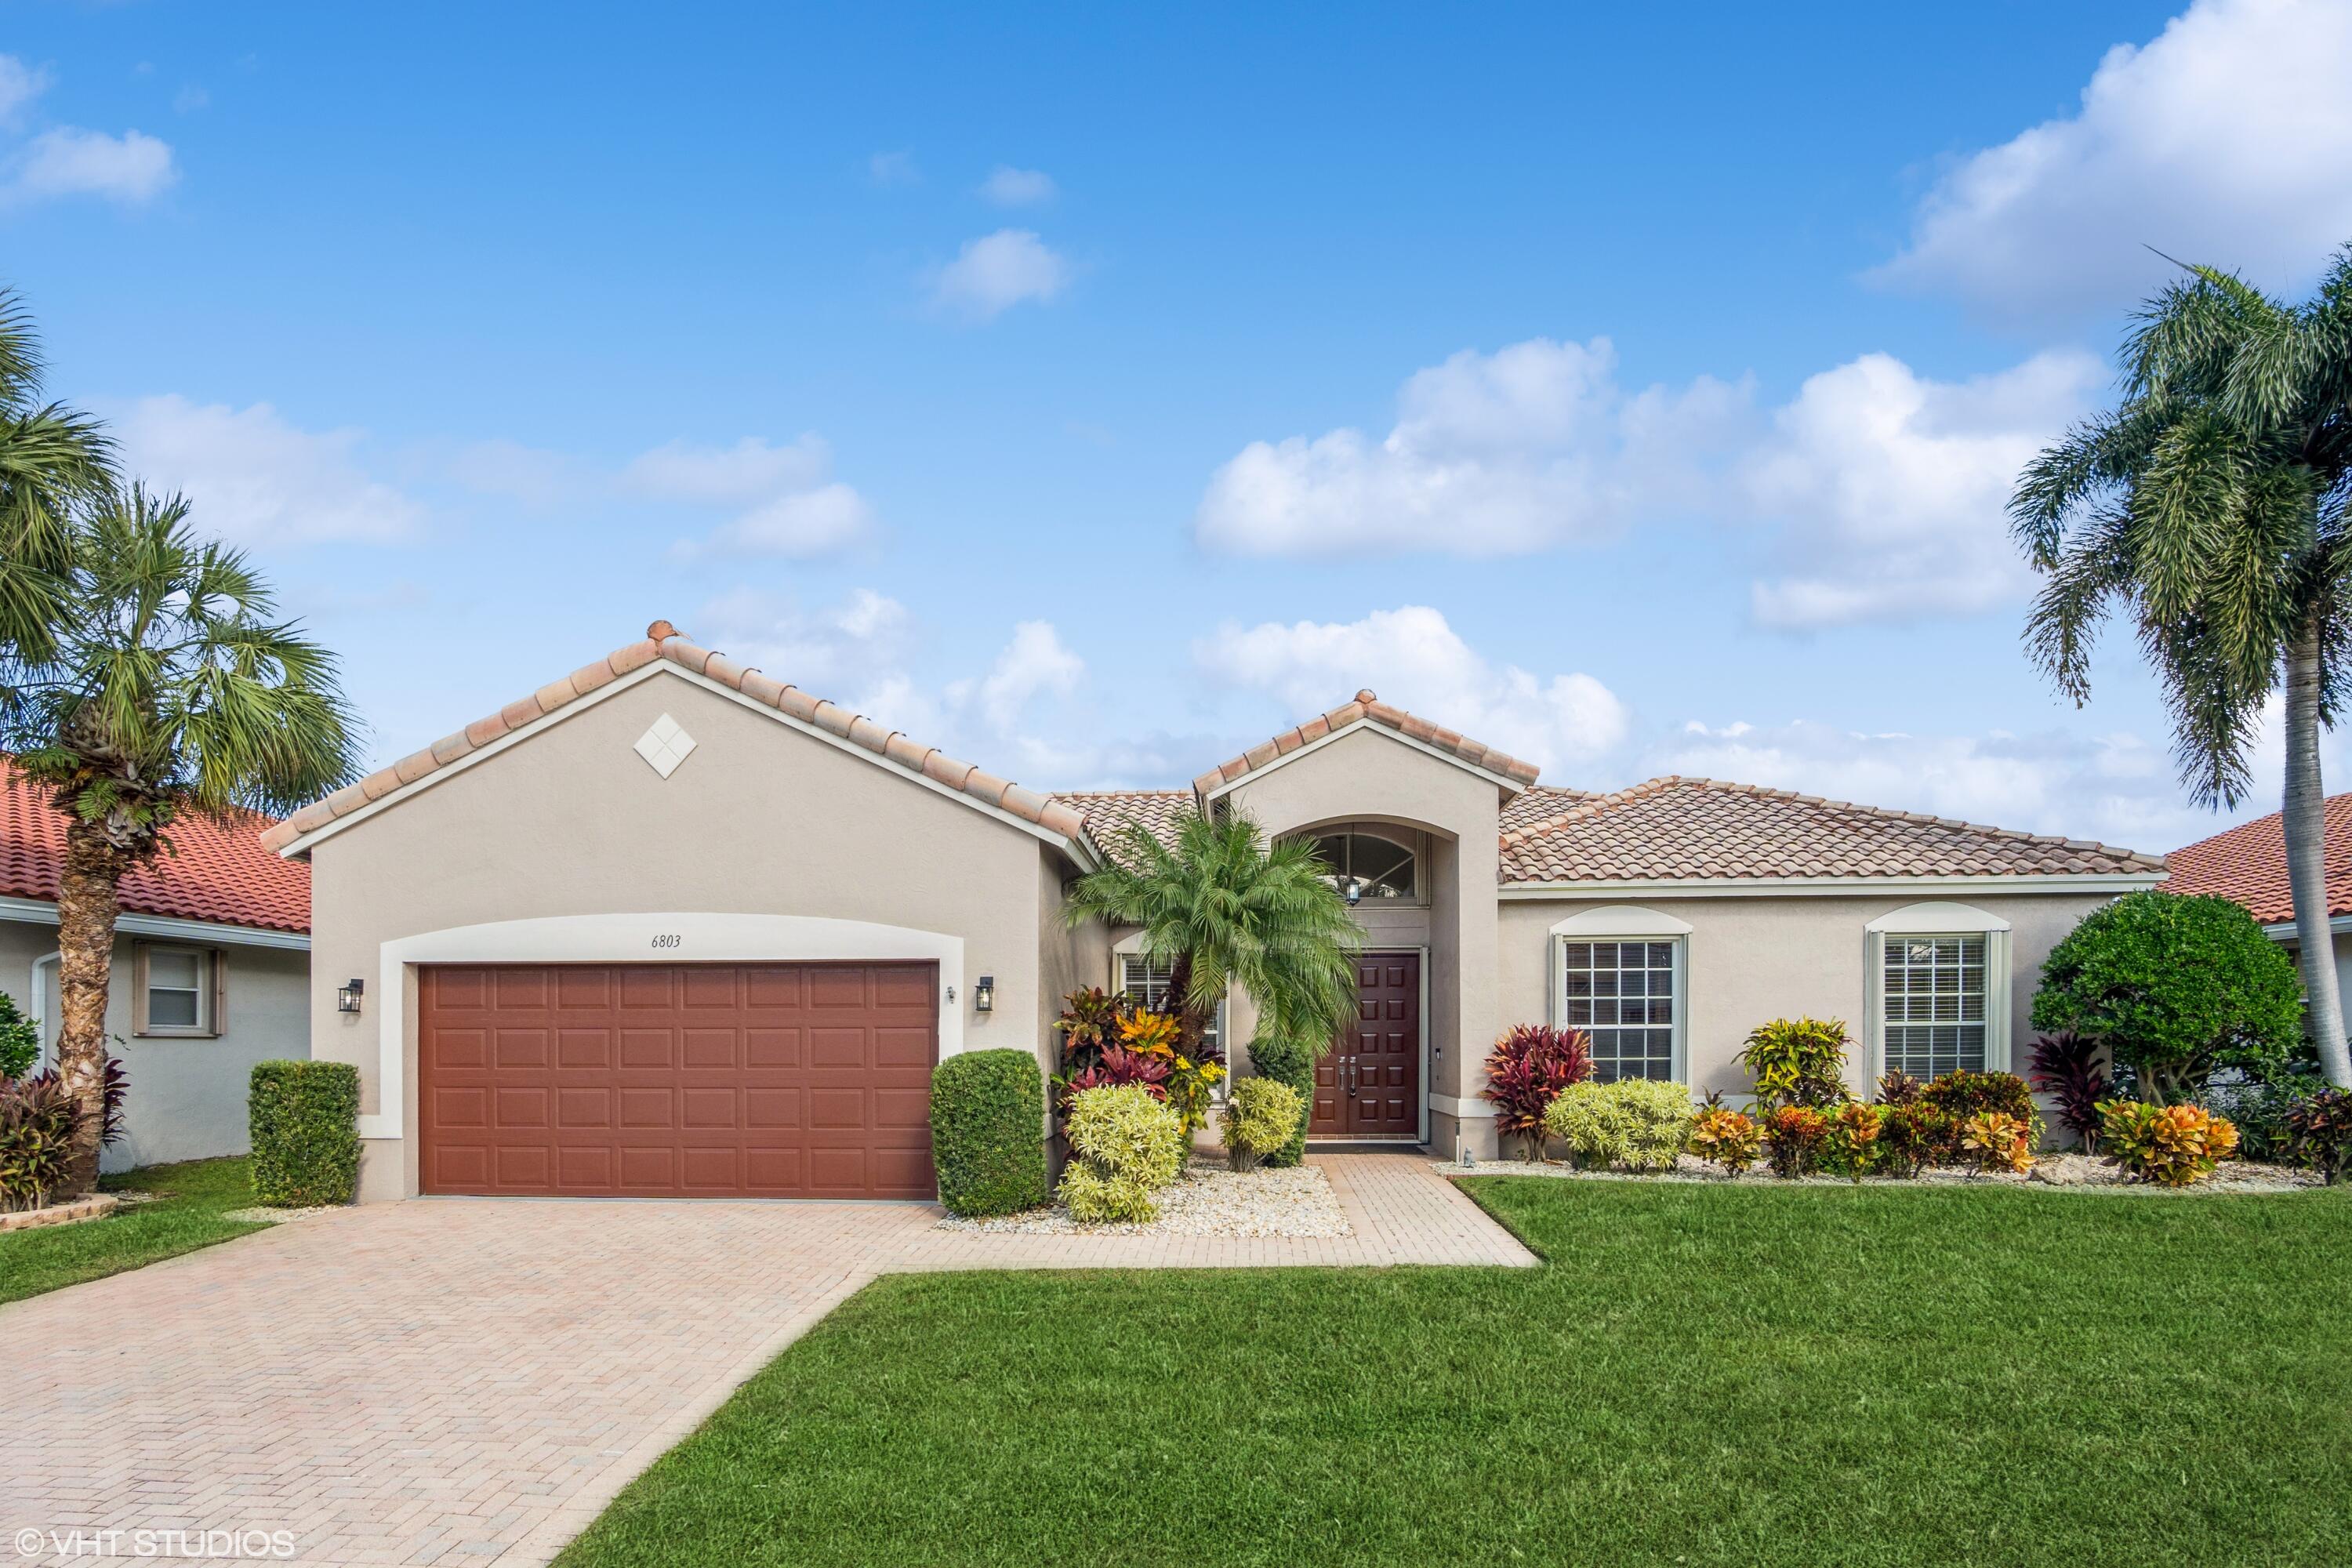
point(786, 1081)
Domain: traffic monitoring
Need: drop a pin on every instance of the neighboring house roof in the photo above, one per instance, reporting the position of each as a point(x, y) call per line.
point(2247, 865)
point(214, 871)
point(663, 641)
point(1678, 828)
point(1107, 813)
point(1367, 707)
point(1539, 802)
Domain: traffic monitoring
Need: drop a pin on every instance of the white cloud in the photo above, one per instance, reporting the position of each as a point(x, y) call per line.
point(2226, 140)
point(1890, 489)
point(997, 272)
point(833, 652)
point(785, 501)
point(1412, 659)
point(20, 84)
point(255, 478)
point(68, 161)
point(1875, 493)
point(1011, 187)
point(893, 169)
point(1034, 662)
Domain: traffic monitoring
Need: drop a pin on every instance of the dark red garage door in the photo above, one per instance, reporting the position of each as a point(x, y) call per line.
point(773, 1080)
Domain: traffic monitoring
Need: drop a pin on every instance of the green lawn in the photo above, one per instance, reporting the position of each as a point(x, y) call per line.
point(194, 1196)
point(1700, 1374)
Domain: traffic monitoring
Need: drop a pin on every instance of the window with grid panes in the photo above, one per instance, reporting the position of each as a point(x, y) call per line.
point(1145, 981)
point(1934, 996)
point(1623, 995)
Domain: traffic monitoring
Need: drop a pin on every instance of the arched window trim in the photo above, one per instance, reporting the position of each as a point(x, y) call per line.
point(1401, 838)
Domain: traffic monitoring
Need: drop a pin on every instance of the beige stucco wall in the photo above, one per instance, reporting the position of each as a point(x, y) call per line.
point(761, 819)
point(1751, 960)
point(187, 1095)
point(1370, 775)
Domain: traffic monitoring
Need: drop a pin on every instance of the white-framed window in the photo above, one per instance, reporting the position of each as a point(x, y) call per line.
point(1939, 990)
point(1380, 868)
point(1145, 980)
point(177, 990)
point(1622, 975)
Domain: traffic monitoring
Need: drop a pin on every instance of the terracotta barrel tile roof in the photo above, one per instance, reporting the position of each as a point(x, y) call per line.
point(1367, 707)
point(2247, 865)
point(1676, 828)
point(217, 870)
point(1160, 812)
point(664, 641)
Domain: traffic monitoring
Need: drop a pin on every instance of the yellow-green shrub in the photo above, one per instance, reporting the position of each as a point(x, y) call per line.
point(2172, 1145)
point(1996, 1141)
point(1261, 1113)
point(1850, 1138)
point(1729, 1138)
point(1636, 1122)
point(1125, 1145)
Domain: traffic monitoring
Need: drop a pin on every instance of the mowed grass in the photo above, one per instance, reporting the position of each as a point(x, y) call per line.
point(193, 1196)
point(1700, 1374)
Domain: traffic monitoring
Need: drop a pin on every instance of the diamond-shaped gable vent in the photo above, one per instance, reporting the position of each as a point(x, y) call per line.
point(664, 745)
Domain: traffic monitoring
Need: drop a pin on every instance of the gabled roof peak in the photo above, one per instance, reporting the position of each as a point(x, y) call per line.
point(1367, 708)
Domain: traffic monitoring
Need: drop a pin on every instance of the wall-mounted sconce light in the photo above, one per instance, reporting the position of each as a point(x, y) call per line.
point(983, 995)
point(1353, 889)
point(348, 995)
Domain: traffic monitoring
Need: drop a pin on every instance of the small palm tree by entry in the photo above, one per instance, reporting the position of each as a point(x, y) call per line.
point(2213, 503)
point(1224, 907)
point(161, 684)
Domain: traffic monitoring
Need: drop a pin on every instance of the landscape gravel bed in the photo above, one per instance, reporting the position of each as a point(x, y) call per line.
point(2073, 1170)
point(1207, 1200)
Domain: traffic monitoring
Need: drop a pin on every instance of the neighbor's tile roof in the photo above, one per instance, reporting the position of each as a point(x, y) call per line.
point(1367, 706)
point(1678, 827)
point(213, 871)
point(2248, 865)
point(1539, 802)
point(663, 640)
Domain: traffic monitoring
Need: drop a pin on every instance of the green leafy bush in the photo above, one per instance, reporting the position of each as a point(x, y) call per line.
point(20, 1041)
point(1291, 1061)
point(2261, 1110)
point(1261, 1115)
point(2319, 1131)
point(1797, 1061)
point(36, 1127)
point(2172, 1145)
point(1126, 1145)
point(1729, 1138)
point(304, 1119)
point(1851, 1145)
point(1913, 1135)
point(988, 1133)
point(2175, 987)
point(1962, 1095)
point(1637, 1122)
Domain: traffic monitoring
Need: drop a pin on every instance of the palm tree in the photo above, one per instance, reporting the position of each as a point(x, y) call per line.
point(1224, 907)
point(161, 686)
point(2213, 502)
point(52, 461)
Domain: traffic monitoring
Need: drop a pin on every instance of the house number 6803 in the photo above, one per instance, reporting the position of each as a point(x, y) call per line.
point(668, 939)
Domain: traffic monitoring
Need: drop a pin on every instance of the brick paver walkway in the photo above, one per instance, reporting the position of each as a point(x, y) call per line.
point(470, 1381)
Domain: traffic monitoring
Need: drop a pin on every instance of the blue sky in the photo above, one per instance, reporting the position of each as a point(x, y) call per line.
point(1096, 394)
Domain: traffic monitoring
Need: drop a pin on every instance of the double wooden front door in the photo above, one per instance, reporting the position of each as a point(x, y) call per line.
point(1367, 1085)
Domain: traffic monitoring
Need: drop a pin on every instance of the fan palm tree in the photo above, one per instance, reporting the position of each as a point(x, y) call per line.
point(161, 686)
point(1226, 908)
point(52, 461)
point(2212, 504)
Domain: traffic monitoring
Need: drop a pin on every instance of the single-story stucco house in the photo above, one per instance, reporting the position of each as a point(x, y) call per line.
point(2247, 865)
point(212, 969)
point(668, 925)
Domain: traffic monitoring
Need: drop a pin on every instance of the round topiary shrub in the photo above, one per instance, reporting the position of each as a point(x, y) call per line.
point(1261, 1115)
point(2174, 988)
point(1635, 1122)
point(988, 1133)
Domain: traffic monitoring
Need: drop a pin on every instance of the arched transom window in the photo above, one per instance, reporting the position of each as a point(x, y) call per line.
point(1365, 866)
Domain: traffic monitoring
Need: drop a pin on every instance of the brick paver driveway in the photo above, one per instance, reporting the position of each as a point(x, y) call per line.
point(470, 1380)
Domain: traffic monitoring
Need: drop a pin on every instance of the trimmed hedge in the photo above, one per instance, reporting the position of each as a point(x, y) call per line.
point(1292, 1062)
point(305, 1121)
point(988, 1133)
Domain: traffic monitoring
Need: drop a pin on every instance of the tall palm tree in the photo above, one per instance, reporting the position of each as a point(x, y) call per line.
point(52, 461)
point(1226, 908)
point(164, 686)
point(2213, 502)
